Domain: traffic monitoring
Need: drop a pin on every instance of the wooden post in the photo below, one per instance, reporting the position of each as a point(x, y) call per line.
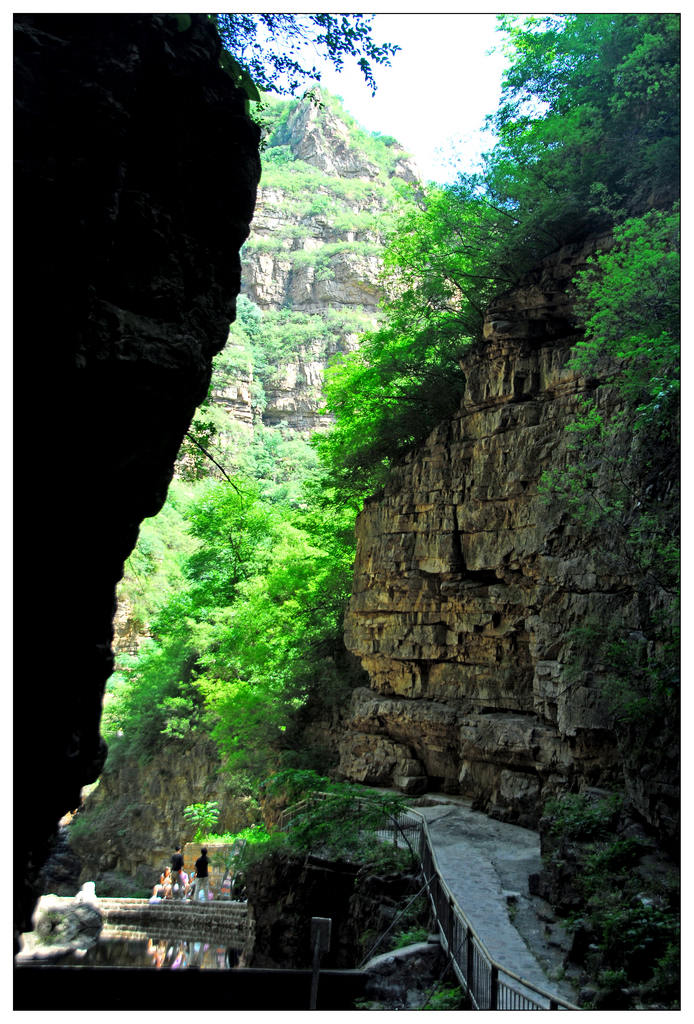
point(320, 939)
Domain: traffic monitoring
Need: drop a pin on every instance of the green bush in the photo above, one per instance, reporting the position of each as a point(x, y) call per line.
point(203, 816)
point(575, 816)
point(409, 937)
point(632, 918)
point(446, 997)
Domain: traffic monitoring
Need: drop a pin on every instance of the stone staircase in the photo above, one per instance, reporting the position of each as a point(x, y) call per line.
point(219, 919)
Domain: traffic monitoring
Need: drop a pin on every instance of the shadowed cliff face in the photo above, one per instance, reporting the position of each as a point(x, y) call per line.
point(136, 173)
point(468, 585)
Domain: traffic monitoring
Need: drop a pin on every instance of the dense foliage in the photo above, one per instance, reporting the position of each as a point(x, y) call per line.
point(274, 48)
point(253, 631)
point(587, 135)
point(588, 124)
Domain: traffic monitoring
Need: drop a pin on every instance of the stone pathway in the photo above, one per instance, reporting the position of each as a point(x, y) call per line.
point(486, 865)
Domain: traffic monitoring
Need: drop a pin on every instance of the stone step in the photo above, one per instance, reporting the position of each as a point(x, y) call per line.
point(228, 917)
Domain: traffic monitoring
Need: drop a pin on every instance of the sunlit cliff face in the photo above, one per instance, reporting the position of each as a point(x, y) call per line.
point(468, 585)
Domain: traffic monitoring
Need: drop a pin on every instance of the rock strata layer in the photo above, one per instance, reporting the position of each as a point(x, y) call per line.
point(135, 175)
point(316, 250)
point(468, 585)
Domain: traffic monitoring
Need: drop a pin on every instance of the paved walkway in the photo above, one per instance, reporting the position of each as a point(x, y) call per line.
point(486, 865)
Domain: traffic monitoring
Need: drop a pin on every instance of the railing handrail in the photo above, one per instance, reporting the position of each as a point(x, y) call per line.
point(461, 970)
point(471, 930)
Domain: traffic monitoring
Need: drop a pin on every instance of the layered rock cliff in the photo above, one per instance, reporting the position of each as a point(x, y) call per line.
point(136, 170)
point(468, 585)
point(328, 193)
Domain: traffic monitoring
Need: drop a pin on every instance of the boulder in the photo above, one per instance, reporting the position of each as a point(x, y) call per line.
point(403, 979)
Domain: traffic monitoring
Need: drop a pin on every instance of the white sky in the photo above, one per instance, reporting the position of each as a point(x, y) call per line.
point(436, 93)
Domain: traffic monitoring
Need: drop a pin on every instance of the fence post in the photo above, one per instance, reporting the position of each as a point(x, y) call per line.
point(320, 939)
point(469, 960)
point(494, 988)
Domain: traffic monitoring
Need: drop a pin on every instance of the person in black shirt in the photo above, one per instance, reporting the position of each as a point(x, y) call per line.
point(202, 881)
point(176, 880)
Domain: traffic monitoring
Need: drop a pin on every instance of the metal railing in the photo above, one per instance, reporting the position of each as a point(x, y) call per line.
point(488, 984)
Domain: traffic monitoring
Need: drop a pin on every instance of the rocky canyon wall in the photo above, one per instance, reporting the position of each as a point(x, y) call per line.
point(133, 819)
point(468, 585)
point(315, 249)
point(135, 177)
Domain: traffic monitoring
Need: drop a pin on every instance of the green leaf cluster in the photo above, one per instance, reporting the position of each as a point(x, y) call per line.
point(635, 924)
point(273, 49)
point(587, 135)
point(588, 124)
point(626, 911)
point(253, 631)
point(575, 816)
point(203, 816)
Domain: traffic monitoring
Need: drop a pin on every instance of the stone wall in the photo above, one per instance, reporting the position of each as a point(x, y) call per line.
point(135, 176)
point(468, 584)
point(286, 891)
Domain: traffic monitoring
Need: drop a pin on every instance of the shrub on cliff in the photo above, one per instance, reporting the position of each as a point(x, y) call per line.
point(587, 135)
point(621, 481)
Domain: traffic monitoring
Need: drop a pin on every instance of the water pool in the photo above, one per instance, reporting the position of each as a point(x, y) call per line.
point(128, 947)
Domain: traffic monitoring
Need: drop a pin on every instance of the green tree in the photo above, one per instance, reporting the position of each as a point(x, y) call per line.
point(588, 125)
point(279, 643)
point(203, 817)
point(252, 633)
point(587, 134)
point(275, 48)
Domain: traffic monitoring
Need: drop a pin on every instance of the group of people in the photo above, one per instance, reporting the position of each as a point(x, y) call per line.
point(175, 883)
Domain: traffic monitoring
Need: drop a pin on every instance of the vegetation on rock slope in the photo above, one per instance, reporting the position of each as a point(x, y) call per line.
point(588, 132)
point(245, 609)
point(588, 135)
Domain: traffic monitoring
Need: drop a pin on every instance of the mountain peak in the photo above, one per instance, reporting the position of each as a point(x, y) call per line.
point(326, 137)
